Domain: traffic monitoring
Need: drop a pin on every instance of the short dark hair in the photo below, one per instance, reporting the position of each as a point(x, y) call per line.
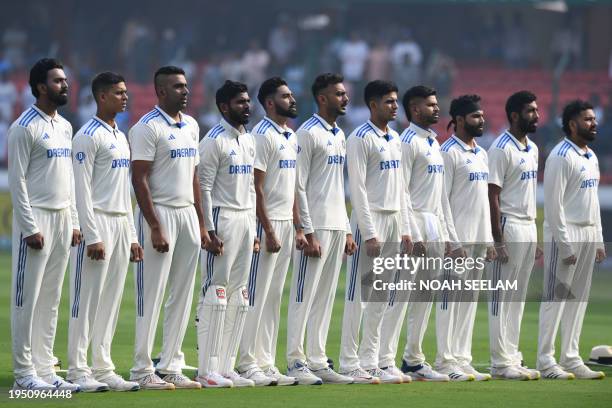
point(167, 70)
point(323, 81)
point(268, 88)
point(571, 110)
point(377, 89)
point(38, 73)
point(228, 91)
point(461, 106)
point(104, 81)
point(419, 91)
point(517, 101)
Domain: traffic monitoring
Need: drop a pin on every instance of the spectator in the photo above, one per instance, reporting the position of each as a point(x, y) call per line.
point(406, 59)
point(8, 97)
point(353, 56)
point(378, 61)
point(282, 42)
point(254, 64)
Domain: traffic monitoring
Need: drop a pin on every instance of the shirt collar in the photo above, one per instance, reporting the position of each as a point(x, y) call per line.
point(330, 128)
point(519, 144)
point(232, 130)
point(429, 134)
point(467, 147)
point(281, 130)
point(381, 133)
point(171, 122)
point(110, 129)
point(578, 150)
point(46, 117)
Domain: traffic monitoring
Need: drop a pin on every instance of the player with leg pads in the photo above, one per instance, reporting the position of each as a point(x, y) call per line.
point(101, 162)
point(573, 242)
point(170, 228)
point(513, 169)
point(322, 211)
point(275, 160)
point(45, 225)
point(226, 181)
point(466, 172)
point(380, 221)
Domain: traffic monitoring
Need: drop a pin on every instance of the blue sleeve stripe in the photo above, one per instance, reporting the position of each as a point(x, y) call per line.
point(27, 118)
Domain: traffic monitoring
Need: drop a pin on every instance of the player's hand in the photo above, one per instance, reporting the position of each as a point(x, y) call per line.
point(539, 253)
point(96, 251)
point(256, 245)
point(159, 241)
point(419, 249)
point(372, 247)
point(272, 243)
point(447, 249)
point(300, 240)
point(570, 260)
point(136, 252)
point(215, 246)
point(313, 248)
point(459, 253)
point(600, 255)
point(502, 252)
point(491, 254)
point(407, 245)
point(76, 237)
point(351, 246)
point(204, 238)
point(36, 241)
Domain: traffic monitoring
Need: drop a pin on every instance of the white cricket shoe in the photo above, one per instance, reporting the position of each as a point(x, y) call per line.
point(60, 383)
point(455, 373)
point(303, 374)
point(181, 381)
point(533, 374)
point(360, 376)
point(116, 383)
point(32, 382)
point(478, 376)
point(556, 373)
point(258, 377)
point(88, 383)
point(214, 380)
point(509, 373)
point(393, 370)
point(239, 381)
point(582, 372)
point(281, 379)
point(153, 382)
point(384, 377)
point(329, 376)
point(424, 372)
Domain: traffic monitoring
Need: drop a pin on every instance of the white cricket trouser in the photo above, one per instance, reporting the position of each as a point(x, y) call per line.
point(561, 306)
point(458, 310)
point(313, 289)
point(224, 280)
point(506, 308)
point(266, 283)
point(96, 288)
point(175, 269)
point(418, 306)
point(36, 290)
point(358, 289)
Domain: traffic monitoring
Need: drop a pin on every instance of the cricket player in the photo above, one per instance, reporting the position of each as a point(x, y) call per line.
point(170, 228)
point(45, 225)
point(513, 173)
point(323, 218)
point(380, 221)
point(424, 188)
point(98, 266)
point(466, 173)
point(275, 162)
point(573, 242)
point(227, 154)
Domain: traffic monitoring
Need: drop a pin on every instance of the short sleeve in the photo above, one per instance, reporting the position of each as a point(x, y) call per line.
point(143, 142)
point(498, 165)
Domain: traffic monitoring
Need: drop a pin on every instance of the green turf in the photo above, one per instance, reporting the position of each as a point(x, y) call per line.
point(597, 330)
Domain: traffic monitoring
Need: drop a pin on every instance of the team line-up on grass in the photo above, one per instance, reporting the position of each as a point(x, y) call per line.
point(246, 202)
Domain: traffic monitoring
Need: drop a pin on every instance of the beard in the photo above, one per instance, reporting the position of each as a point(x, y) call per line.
point(239, 117)
point(527, 126)
point(291, 112)
point(58, 98)
point(473, 130)
point(585, 133)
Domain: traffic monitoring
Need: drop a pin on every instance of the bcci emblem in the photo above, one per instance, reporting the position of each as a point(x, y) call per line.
point(245, 294)
point(220, 293)
point(80, 156)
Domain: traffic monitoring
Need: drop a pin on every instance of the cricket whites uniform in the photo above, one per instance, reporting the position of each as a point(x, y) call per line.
point(172, 149)
point(101, 163)
point(228, 195)
point(42, 193)
point(513, 167)
point(276, 155)
point(424, 188)
point(572, 226)
point(322, 208)
point(374, 161)
point(466, 173)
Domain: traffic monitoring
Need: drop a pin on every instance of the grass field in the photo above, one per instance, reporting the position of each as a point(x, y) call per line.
point(597, 330)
